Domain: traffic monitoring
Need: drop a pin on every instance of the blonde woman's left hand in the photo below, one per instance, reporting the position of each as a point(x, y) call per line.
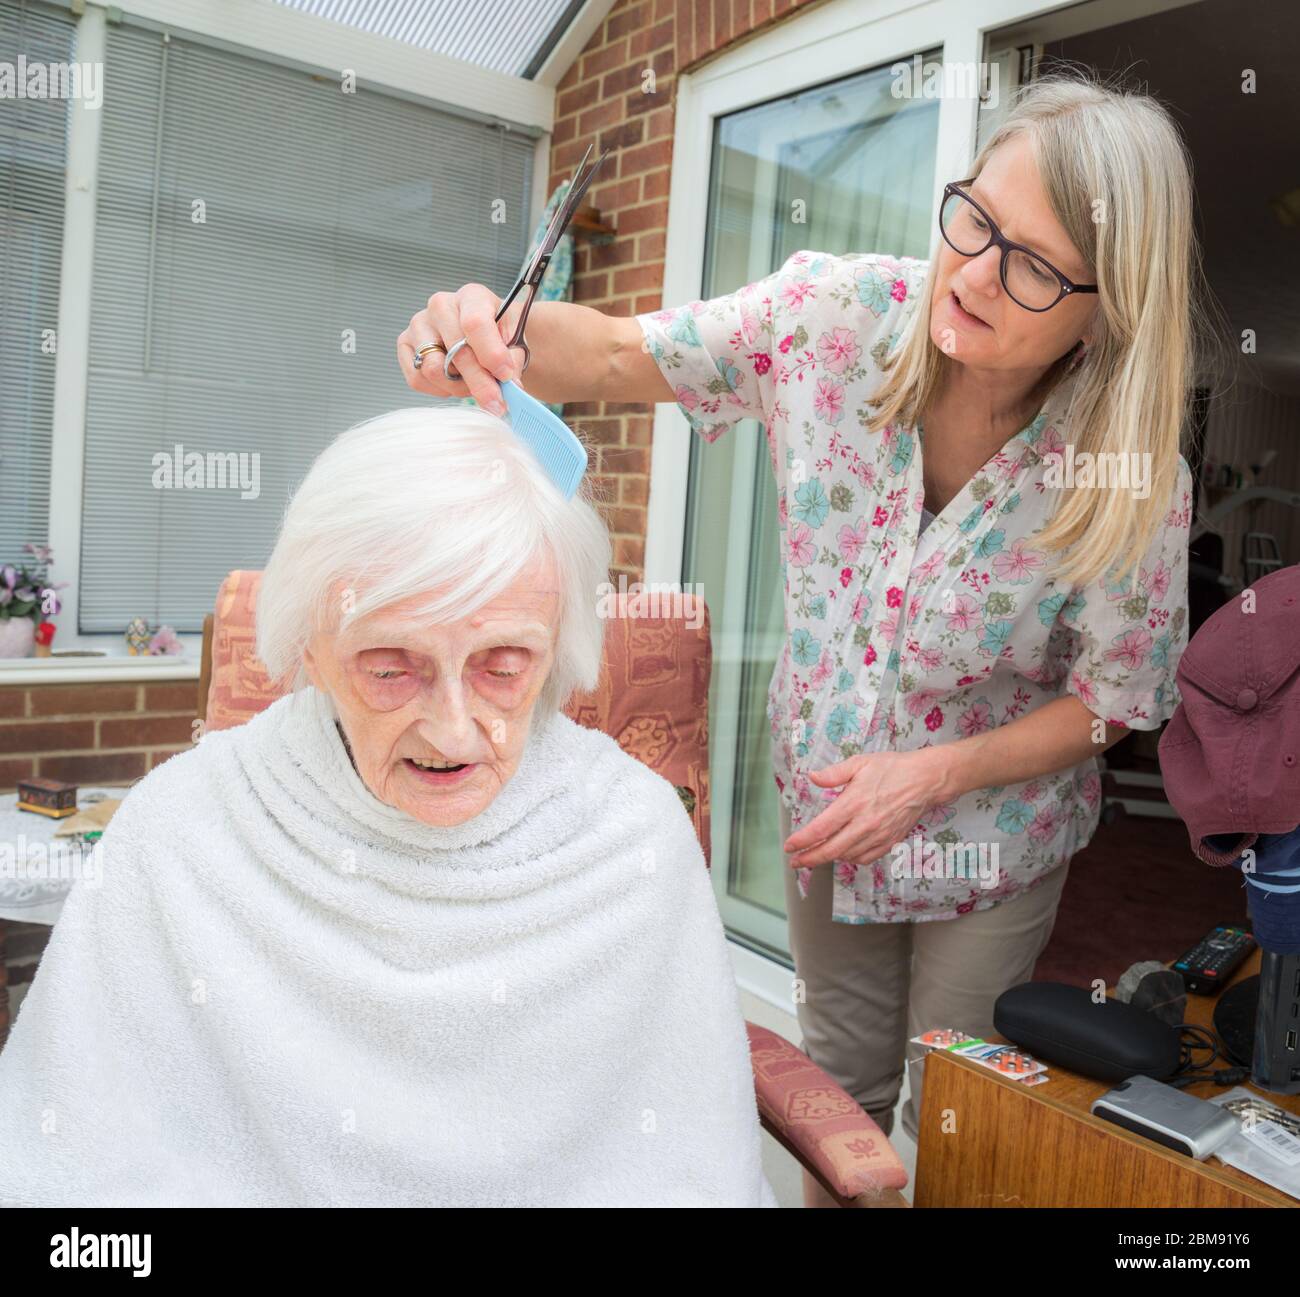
point(883, 795)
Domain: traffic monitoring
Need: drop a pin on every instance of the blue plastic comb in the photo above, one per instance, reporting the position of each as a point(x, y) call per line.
point(561, 454)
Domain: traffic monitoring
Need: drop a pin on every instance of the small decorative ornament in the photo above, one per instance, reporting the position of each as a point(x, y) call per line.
point(137, 636)
point(51, 797)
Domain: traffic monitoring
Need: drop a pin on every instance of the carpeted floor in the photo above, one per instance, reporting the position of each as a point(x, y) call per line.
point(1136, 893)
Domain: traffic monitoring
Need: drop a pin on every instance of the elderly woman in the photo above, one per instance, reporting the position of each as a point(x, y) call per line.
point(410, 936)
point(983, 520)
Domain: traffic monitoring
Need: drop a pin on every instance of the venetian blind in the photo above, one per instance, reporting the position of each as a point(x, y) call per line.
point(262, 237)
point(33, 140)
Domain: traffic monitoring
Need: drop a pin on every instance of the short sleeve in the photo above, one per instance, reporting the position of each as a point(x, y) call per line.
point(718, 354)
point(1131, 633)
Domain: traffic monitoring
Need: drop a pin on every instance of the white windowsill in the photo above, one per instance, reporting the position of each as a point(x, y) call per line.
point(115, 665)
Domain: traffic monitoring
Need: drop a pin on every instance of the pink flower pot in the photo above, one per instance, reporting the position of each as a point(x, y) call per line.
point(17, 637)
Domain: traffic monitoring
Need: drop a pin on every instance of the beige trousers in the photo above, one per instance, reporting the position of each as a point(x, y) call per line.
point(868, 988)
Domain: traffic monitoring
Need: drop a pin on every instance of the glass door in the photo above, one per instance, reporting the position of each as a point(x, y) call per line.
point(846, 166)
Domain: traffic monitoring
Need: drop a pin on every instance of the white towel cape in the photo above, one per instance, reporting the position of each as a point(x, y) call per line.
point(288, 993)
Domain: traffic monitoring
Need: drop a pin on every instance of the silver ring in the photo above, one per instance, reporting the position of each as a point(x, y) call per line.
point(446, 361)
point(421, 352)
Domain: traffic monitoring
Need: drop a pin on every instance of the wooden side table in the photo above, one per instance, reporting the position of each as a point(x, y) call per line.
point(988, 1141)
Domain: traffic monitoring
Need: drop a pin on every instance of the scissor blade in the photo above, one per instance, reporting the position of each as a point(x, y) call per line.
point(582, 178)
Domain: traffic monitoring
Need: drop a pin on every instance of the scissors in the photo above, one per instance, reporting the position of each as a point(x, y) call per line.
point(530, 280)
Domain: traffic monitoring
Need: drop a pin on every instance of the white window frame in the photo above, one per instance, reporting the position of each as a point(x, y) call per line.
point(292, 38)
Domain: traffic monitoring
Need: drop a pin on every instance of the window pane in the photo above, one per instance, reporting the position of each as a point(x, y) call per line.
point(843, 167)
point(261, 239)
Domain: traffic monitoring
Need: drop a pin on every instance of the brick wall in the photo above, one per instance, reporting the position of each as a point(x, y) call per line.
point(601, 100)
point(93, 733)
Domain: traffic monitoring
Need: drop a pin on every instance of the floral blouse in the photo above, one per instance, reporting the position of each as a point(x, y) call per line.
point(898, 637)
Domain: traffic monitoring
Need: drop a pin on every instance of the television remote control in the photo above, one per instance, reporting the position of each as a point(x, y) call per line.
point(1210, 964)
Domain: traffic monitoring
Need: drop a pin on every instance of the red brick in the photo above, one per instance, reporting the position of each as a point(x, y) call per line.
point(157, 758)
point(640, 432)
point(634, 489)
point(588, 287)
point(627, 522)
point(650, 39)
point(649, 216)
point(111, 768)
point(564, 128)
point(616, 459)
point(613, 55)
point(636, 277)
point(172, 696)
point(618, 252)
point(650, 302)
point(629, 552)
point(616, 194)
point(621, 137)
point(647, 157)
point(145, 731)
point(12, 769)
point(583, 95)
point(83, 700)
point(656, 184)
point(650, 247)
point(599, 431)
point(626, 20)
point(46, 736)
point(660, 126)
point(722, 28)
point(701, 31)
point(609, 113)
point(635, 104)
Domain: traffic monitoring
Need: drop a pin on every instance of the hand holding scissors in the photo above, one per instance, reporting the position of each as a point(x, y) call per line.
point(475, 313)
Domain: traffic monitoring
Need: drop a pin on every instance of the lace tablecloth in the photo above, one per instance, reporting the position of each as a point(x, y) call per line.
point(36, 868)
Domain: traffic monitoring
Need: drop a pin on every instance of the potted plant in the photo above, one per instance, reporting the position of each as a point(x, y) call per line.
point(26, 599)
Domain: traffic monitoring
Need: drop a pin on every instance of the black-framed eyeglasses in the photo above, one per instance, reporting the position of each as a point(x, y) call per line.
point(1030, 281)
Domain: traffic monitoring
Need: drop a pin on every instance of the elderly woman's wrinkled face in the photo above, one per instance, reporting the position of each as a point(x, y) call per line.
point(971, 317)
point(437, 716)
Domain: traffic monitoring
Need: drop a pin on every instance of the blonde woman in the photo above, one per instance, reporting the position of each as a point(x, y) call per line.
point(984, 520)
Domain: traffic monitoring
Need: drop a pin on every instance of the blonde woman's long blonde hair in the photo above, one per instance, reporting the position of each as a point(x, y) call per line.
point(1117, 176)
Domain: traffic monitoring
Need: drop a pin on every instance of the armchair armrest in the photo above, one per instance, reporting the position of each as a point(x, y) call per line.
point(819, 1123)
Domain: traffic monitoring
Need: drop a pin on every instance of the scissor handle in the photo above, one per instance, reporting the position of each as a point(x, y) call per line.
point(456, 346)
point(528, 283)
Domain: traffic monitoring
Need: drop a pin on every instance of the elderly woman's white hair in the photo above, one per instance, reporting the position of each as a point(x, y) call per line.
point(439, 501)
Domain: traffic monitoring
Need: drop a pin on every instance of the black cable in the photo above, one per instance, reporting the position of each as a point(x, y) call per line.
point(1191, 1039)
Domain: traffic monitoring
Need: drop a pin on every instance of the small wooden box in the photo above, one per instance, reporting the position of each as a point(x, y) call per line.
point(50, 797)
